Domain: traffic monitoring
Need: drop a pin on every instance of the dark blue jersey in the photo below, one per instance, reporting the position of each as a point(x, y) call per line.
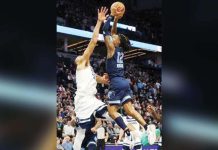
point(115, 65)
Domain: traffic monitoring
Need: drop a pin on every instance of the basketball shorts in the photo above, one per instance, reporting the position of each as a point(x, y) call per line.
point(119, 91)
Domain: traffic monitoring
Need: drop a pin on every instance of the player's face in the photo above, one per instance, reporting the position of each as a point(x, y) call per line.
point(116, 39)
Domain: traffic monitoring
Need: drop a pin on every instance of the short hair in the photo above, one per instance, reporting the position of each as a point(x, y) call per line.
point(124, 42)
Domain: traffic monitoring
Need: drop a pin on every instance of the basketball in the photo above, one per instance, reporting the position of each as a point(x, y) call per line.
point(117, 9)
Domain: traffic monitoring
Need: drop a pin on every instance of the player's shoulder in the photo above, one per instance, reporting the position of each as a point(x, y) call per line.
point(84, 64)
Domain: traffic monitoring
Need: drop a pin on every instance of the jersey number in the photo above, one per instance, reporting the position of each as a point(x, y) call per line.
point(120, 57)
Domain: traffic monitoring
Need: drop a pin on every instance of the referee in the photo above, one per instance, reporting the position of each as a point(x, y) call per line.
point(102, 137)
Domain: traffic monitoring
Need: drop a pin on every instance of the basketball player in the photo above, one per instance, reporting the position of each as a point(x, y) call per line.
point(119, 93)
point(87, 106)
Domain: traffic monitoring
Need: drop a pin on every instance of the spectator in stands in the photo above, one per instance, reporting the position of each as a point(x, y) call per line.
point(116, 130)
point(68, 130)
point(59, 127)
point(58, 145)
point(61, 88)
point(111, 133)
point(102, 137)
point(67, 144)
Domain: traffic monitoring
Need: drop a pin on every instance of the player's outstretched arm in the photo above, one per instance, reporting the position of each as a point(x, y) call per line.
point(101, 17)
point(107, 37)
point(114, 27)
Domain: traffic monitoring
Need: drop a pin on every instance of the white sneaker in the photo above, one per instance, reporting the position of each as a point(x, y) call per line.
point(151, 130)
point(136, 139)
point(128, 141)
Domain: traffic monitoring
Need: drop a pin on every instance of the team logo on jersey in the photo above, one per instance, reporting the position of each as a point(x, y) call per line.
point(111, 94)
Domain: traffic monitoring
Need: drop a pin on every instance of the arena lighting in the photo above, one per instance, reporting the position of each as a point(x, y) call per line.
point(15, 91)
point(81, 46)
point(133, 50)
point(133, 54)
point(76, 43)
point(87, 34)
point(137, 55)
point(123, 26)
point(82, 49)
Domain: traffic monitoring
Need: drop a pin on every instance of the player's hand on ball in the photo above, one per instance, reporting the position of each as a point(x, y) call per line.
point(102, 14)
point(117, 9)
point(118, 17)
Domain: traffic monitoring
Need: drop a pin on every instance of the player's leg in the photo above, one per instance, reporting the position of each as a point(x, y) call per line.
point(130, 110)
point(102, 112)
point(79, 138)
point(91, 144)
point(114, 102)
point(112, 110)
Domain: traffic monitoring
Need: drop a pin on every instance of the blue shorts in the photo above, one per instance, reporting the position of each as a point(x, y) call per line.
point(119, 91)
point(88, 123)
point(90, 138)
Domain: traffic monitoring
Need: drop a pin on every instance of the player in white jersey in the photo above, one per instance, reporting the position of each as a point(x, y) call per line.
point(87, 106)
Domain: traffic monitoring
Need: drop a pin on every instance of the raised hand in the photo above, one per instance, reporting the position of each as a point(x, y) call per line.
point(102, 14)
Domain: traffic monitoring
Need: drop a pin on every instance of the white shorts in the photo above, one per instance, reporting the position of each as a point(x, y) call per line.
point(86, 105)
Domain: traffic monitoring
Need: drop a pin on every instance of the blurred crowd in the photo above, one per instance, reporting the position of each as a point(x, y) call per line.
point(146, 89)
point(82, 15)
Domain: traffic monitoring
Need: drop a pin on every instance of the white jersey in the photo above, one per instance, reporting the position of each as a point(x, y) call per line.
point(85, 101)
point(86, 81)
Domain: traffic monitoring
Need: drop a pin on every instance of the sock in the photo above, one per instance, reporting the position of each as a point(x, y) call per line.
point(120, 122)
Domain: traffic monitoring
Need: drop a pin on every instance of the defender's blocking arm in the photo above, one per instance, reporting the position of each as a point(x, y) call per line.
point(101, 17)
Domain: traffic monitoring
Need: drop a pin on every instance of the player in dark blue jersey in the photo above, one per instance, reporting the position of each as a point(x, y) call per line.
point(119, 93)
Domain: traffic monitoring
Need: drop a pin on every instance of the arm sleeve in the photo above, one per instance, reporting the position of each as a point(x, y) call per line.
point(107, 26)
